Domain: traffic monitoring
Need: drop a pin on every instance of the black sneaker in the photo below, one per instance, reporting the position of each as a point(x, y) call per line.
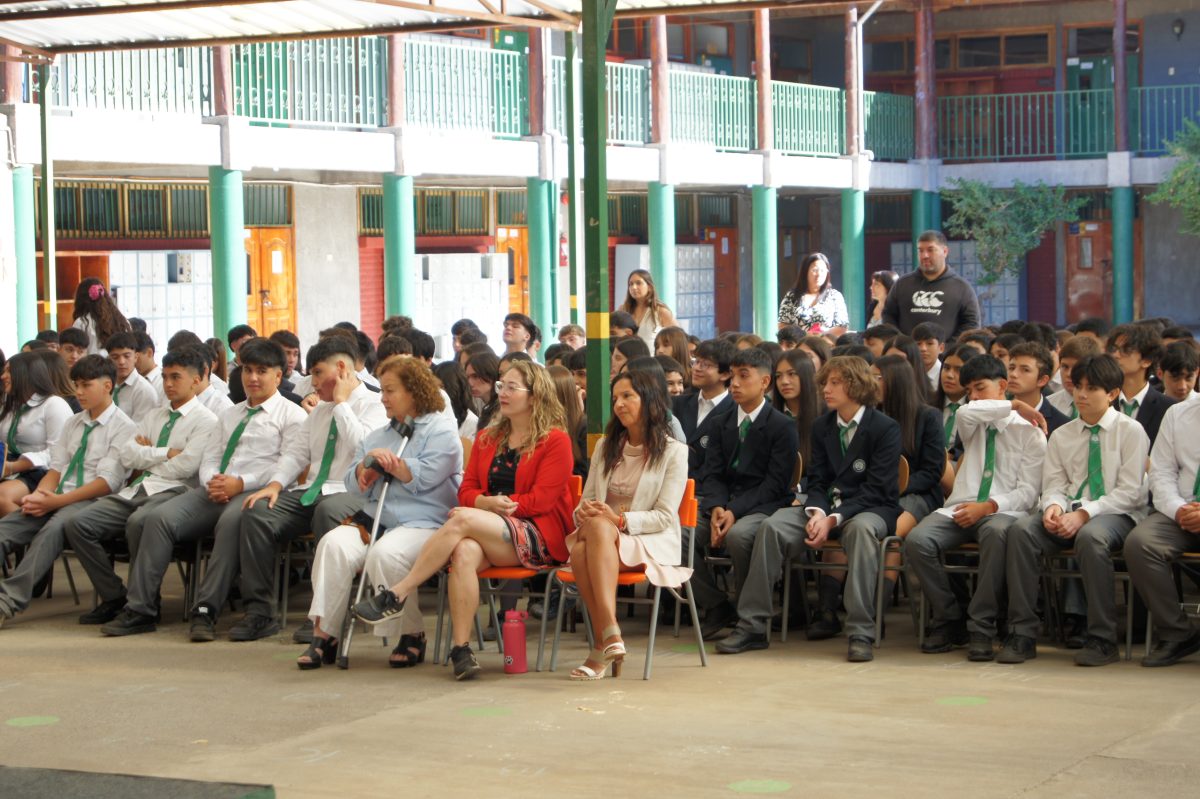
point(860, 650)
point(981, 649)
point(380, 607)
point(465, 664)
point(944, 637)
point(204, 624)
point(1097, 652)
point(1075, 631)
point(252, 627)
point(303, 633)
point(1167, 653)
point(129, 622)
point(1017, 649)
point(718, 619)
point(823, 624)
point(104, 612)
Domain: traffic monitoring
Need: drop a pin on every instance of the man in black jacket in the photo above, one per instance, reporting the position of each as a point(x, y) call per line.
point(700, 412)
point(933, 293)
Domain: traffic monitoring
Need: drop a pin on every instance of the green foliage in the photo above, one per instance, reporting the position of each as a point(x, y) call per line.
point(1182, 188)
point(1006, 224)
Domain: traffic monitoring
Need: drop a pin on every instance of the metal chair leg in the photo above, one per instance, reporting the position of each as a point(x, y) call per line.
point(691, 601)
point(441, 609)
point(653, 631)
point(787, 600)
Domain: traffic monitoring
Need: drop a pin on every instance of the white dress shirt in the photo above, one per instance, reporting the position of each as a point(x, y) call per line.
point(38, 429)
point(368, 378)
point(469, 427)
point(705, 406)
point(102, 458)
point(88, 326)
point(1020, 453)
point(1063, 400)
point(935, 375)
point(214, 400)
point(154, 378)
point(752, 415)
point(303, 386)
point(1139, 398)
point(191, 435)
point(220, 385)
point(1123, 450)
point(1175, 458)
point(136, 397)
point(962, 401)
point(355, 418)
point(259, 447)
point(856, 420)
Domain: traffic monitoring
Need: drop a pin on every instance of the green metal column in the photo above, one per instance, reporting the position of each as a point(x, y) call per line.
point(920, 219)
point(662, 242)
point(399, 245)
point(25, 244)
point(854, 255)
point(765, 234)
point(597, 19)
point(540, 264)
point(227, 225)
point(572, 179)
point(1122, 254)
point(49, 229)
point(552, 232)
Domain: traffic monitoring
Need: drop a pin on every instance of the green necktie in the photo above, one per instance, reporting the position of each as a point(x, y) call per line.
point(949, 429)
point(164, 436)
point(117, 395)
point(13, 452)
point(1095, 475)
point(1129, 408)
point(76, 465)
point(743, 428)
point(1196, 487)
point(236, 437)
point(989, 466)
point(844, 432)
point(314, 490)
point(1074, 411)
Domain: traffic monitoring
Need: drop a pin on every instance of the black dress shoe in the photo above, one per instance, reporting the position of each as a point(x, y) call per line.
point(1075, 628)
point(303, 633)
point(130, 622)
point(1097, 652)
point(1168, 653)
point(824, 624)
point(722, 616)
point(104, 612)
point(981, 649)
point(204, 625)
point(944, 637)
point(861, 649)
point(252, 627)
point(1017, 649)
point(741, 640)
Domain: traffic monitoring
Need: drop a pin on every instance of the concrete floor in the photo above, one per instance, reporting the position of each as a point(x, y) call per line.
point(793, 720)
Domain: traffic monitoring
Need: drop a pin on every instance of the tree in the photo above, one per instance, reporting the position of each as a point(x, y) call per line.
point(1006, 224)
point(1181, 189)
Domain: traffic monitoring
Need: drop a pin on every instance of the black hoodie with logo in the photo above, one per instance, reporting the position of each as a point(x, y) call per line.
point(947, 301)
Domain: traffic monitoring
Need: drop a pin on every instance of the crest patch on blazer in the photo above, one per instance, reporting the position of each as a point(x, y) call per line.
point(859, 466)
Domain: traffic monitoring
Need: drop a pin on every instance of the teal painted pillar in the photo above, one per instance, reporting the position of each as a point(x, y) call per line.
point(662, 242)
point(854, 255)
point(399, 246)
point(540, 254)
point(1122, 252)
point(765, 234)
point(926, 215)
point(552, 221)
point(25, 244)
point(226, 222)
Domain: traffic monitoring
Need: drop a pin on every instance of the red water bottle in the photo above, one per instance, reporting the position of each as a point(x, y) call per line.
point(514, 642)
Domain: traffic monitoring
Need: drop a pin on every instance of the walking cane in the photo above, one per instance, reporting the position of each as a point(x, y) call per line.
point(405, 430)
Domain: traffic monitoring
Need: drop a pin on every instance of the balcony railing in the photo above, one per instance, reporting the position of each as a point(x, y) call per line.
point(171, 80)
point(1160, 112)
point(717, 110)
point(809, 120)
point(888, 121)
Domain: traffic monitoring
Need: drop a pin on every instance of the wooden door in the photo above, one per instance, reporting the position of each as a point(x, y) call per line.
point(725, 258)
point(1089, 270)
point(514, 242)
point(271, 271)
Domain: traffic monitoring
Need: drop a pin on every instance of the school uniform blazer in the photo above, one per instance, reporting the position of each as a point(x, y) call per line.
point(866, 476)
point(1054, 417)
point(767, 458)
point(926, 465)
point(686, 409)
point(653, 514)
point(541, 491)
point(1150, 413)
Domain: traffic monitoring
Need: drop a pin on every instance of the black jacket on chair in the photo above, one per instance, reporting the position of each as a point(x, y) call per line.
point(928, 462)
point(686, 409)
point(766, 459)
point(867, 476)
point(1151, 411)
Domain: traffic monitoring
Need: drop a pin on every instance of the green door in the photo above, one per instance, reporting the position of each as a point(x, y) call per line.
point(1088, 105)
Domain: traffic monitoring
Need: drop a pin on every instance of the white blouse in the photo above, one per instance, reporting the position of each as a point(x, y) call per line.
point(38, 428)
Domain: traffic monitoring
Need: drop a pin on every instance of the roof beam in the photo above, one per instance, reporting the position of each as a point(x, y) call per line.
point(482, 16)
point(136, 8)
point(734, 6)
point(554, 12)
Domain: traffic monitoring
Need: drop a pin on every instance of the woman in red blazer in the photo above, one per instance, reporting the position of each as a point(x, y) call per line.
point(514, 509)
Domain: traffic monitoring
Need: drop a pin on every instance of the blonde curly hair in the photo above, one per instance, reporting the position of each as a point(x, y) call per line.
point(547, 412)
point(417, 380)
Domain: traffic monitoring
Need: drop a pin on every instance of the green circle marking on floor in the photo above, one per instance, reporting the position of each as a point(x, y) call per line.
point(691, 649)
point(759, 786)
point(32, 721)
point(486, 712)
point(962, 701)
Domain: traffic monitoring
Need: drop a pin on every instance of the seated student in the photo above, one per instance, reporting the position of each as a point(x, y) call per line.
point(468, 337)
point(1002, 344)
point(33, 345)
point(518, 333)
point(576, 362)
point(145, 365)
point(1094, 327)
point(555, 354)
point(167, 450)
point(574, 414)
point(789, 336)
point(514, 509)
point(876, 337)
point(208, 394)
point(243, 451)
point(699, 412)
point(998, 480)
point(748, 466)
point(1093, 493)
point(1029, 368)
point(454, 384)
point(424, 490)
point(676, 382)
point(132, 393)
point(1137, 349)
point(572, 336)
point(83, 467)
point(72, 345)
point(456, 330)
point(625, 351)
point(930, 346)
point(482, 371)
point(49, 338)
point(1171, 530)
point(237, 336)
point(621, 325)
point(60, 376)
point(423, 345)
point(1075, 350)
point(651, 365)
point(1178, 369)
point(32, 418)
point(291, 350)
point(951, 394)
point(817, 348)
point(1172, 334)
point(672, 342)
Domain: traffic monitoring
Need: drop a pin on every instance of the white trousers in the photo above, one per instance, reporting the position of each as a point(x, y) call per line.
point(341, 555)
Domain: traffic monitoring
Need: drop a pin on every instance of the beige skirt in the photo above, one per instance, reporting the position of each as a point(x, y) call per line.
point(633, 556)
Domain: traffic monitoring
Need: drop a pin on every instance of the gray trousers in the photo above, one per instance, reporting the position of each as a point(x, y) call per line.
point(45, 536)
point(185, 518)
point(262, 529)
point(780, 537)
point(739, 542)
point(1149, 551)
point(106, 520)
point(860, 538)
point(937, 533)
point(1094, 544)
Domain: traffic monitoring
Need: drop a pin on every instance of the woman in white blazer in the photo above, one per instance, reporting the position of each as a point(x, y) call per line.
point(628, 516)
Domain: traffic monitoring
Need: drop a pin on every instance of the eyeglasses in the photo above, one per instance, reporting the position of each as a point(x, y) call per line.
point(508, 388)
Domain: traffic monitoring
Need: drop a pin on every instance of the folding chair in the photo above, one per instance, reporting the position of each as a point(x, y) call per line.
point(1055, 566)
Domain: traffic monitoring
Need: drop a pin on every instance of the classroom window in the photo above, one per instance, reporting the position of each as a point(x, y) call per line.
point(676, 42)
point(711, 40)
point(976, 52)
point(887, 56)
point(942, 55)
point(1026, 49)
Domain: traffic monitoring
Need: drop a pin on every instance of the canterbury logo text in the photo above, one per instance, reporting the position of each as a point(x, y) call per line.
point(927, 299)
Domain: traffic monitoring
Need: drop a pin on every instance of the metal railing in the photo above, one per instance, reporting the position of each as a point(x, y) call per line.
point(170, 80)
point(808, 120)
point(888, 121)
point(628, 91)
point(449, 87)
point(1157, 114)
point(717, 110)
point(1073, 124)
